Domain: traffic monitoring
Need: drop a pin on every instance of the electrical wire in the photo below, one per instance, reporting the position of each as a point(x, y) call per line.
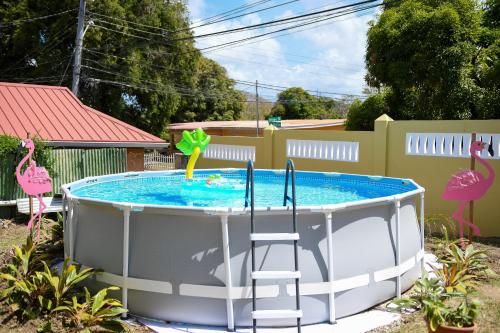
point(248, 83)
point(120, 32)
point(19, 21)
point(323, 74)
point(283, 88)
point(128, 21)
point(219, 46)
point(233, 11)
point(127, 27)
point(240, 15)
point(287, 19)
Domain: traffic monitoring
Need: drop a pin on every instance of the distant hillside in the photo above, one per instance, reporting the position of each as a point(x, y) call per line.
point(248, 112)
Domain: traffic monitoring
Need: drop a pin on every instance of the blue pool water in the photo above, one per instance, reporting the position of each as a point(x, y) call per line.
point(170, 188)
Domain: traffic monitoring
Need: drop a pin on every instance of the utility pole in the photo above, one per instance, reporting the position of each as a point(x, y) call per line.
point(77, 62)
point(257, 103)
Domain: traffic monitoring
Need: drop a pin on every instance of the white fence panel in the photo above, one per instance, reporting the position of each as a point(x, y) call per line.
point(347, 151)
point(216, 151)
point(157, 161)
point(450, 144)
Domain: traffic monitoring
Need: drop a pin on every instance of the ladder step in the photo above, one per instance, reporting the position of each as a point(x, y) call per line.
point(276, 275)
point(276, 314)
point(274, 236)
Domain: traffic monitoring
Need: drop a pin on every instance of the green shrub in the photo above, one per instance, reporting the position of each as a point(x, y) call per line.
point(34, 290)
point(362, 115)
point(9, 152)
point(444, 299)
point(97, 310)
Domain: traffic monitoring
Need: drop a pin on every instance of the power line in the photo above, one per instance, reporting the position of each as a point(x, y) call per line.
point(324, 74)
point(288, 19)
point(241, 15)
point(248, 83)
point(219, 46)
point(349, 69)
point(283, 88)
point(174, 31)
point(243, 82)
point(16, 22)
point(234, 10)
point(131, 22)
point(127, 27)
point(233, 43)
point(53, 42)
point(120, 32)
point(194, 93)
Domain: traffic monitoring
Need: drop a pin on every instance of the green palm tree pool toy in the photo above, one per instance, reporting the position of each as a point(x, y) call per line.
point(192, 144)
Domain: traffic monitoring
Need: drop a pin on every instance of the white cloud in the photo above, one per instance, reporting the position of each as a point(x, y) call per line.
point(196, 8)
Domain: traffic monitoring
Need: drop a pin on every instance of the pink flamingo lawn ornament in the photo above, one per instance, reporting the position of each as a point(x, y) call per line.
point(34, 181)
point(467, 186)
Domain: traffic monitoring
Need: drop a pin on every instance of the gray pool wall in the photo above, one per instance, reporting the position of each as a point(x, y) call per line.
point(177, 267)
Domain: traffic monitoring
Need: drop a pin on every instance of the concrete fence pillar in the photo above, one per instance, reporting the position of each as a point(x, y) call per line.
point(380, 145)
point(135, 159)
point(268, 147)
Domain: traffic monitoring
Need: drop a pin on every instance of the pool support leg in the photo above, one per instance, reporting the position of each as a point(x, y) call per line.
point(329, 242)
point(398, 247)
point(71, 229)
point(126, 239)
point(422, 233)
point(227, 272)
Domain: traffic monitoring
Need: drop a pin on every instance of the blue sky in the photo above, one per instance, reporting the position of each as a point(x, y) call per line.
point(327, 57)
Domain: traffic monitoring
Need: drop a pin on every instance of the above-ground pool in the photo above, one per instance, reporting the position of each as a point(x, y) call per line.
point(180, 249)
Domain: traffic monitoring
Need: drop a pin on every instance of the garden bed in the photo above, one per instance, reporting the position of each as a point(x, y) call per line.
point(488, 292)
point(11, 234)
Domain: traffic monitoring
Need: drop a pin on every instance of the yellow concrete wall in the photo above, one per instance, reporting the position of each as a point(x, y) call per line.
point(433, 173)
point(382, 152)
point(365, 139)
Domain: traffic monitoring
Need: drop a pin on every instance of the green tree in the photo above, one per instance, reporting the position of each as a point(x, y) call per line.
point(214, 98)
point(436, 56)
point(296, 103)
point(139, 64)
point(362, 115)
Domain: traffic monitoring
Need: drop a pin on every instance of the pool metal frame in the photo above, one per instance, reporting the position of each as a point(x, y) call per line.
point(231, 293)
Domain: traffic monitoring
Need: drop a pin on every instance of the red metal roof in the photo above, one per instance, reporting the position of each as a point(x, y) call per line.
point(56, 115)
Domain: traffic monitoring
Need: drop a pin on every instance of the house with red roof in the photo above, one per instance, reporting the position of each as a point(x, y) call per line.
point(85, 142)
point(59, 118)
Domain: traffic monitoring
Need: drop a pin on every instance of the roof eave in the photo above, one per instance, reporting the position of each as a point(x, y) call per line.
point(104, 144)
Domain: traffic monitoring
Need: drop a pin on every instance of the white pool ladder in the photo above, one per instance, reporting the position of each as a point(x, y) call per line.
point(262, 237)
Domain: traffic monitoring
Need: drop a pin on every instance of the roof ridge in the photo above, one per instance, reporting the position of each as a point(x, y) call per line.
point(30, 85)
